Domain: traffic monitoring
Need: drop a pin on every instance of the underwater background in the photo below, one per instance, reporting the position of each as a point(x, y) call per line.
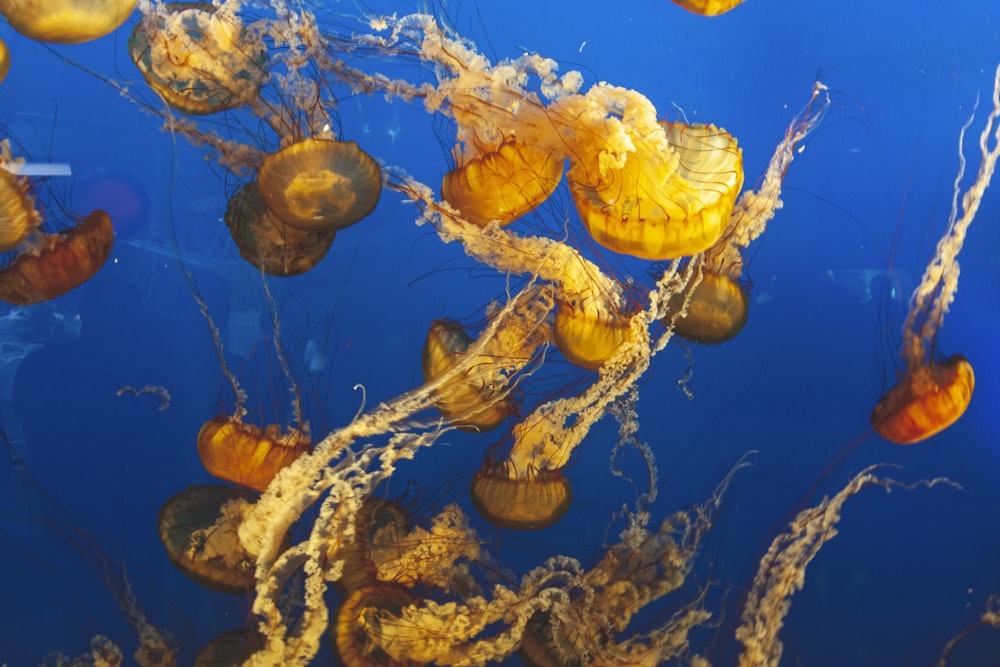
point(864, 204)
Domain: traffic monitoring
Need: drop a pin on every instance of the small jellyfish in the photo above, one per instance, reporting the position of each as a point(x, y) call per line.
point(348, 634)
point(66, 21)
point(4, 60)
point(502, 184)
point(530, 502)
point(708, 7)
point(247, 455)
point(320, 184)
point(61, 262)
point(588, 330)
point(718, 308)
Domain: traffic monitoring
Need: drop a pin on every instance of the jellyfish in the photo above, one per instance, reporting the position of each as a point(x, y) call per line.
point(267, 243)
point(199, 58)
point(245, 454)
point(4, 60)
point(198, 530)
point(66, 21)
point(19, 214)
point(502, 184)
point(932, 394)
point(61, 262)
point(707, 7)
point(716, 305)
point(527, 502)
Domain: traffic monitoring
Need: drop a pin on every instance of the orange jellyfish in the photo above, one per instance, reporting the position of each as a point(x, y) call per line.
point(199, 60)
point(4, 60)
point(670, 198)
point(348, 634)
point(61, 262)
point(66, 21)
point(502, 184)
point(932, 394)
point(18, 214)
point(245, 454)
point(717, 309)
point(531, 502)
point(468, 400)
point(269, 244)
point(590, 327)
point(708, 7)
point(320, 185)
point(198, 529)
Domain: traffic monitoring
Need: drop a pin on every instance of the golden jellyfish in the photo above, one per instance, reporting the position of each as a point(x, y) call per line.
point(502, 184)
point(60, 263)
point(671, 197)
point(269, 244)
point(531, 502)
point(320, 185)
point(717, 310)
point(198, 58)
point(245, 454)
point(18, 213)
point(4, 60)
point(708, 7)
point(198, 530)
point(469, 401)
point(66, 21)
point(349, 636)
point(931, 395)
point(588, 330)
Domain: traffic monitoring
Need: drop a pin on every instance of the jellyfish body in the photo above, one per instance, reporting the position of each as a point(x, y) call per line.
point(245, 454)
point(587, 331)
point(269, 244)
point(926, 401)
point(532, 502)
point(717, 310)
point(707, 7)
point(4, 60)
point(66, 21)
point(62, 262)
point(502, 185)
point(198, 60)
point(663, 204)
point(198, 529)
point(353, 645)
point(320, 184)
point(468, 400)
point(18, 215)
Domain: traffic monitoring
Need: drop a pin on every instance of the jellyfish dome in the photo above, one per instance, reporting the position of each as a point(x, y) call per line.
point(66, 21)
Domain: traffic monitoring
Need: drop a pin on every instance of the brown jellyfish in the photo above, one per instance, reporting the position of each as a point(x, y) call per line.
point(502, 184)
point(708, 7)
point(269, 244)
point(320, 185)
point(349, 636)
point(530, 502)
point(718, 308)
point(4, 60)
point(61, 262)
point(199, 60)
point(198, 529)
point(66, 21)
point(246, 455)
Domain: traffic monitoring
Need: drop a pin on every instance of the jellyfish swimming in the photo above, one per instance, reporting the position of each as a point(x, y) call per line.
point(932, 394)
point(245, 454)
point(4, 60)
point(66, 21)
point(707, 7)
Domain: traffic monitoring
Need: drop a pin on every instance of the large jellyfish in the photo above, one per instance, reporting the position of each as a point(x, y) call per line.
point(932, 393)
point(66, 21)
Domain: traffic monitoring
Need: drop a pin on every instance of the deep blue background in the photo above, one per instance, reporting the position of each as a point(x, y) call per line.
point(907, 571)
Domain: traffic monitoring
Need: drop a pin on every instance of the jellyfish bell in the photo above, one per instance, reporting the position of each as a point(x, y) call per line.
point(927, 400)
point(707, 7)
point(59, 263)
point(320, 185)
point(502, 184)
point(245, 454)
point(198, 530)
point(532, 502)
point(269, 244)
point(197, 59)
point(717, 309)
point(66, 21)
point(351, 641)
point(4, 60)
point(662, 202)
point(18, 213)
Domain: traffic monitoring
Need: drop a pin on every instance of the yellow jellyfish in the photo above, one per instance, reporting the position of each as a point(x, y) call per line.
point(66, 21)
point(670, 198)
point(529, 502)
point(198, 59)
point(4, 60)
point(320, 185)
point(18, 213)
point(707, 7)
point(715, 307)
point(502, 184)
point(269, 244)
point(245, 454)
point(931, 394)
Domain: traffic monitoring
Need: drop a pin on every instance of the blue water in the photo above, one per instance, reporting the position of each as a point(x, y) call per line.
point(864, 204)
